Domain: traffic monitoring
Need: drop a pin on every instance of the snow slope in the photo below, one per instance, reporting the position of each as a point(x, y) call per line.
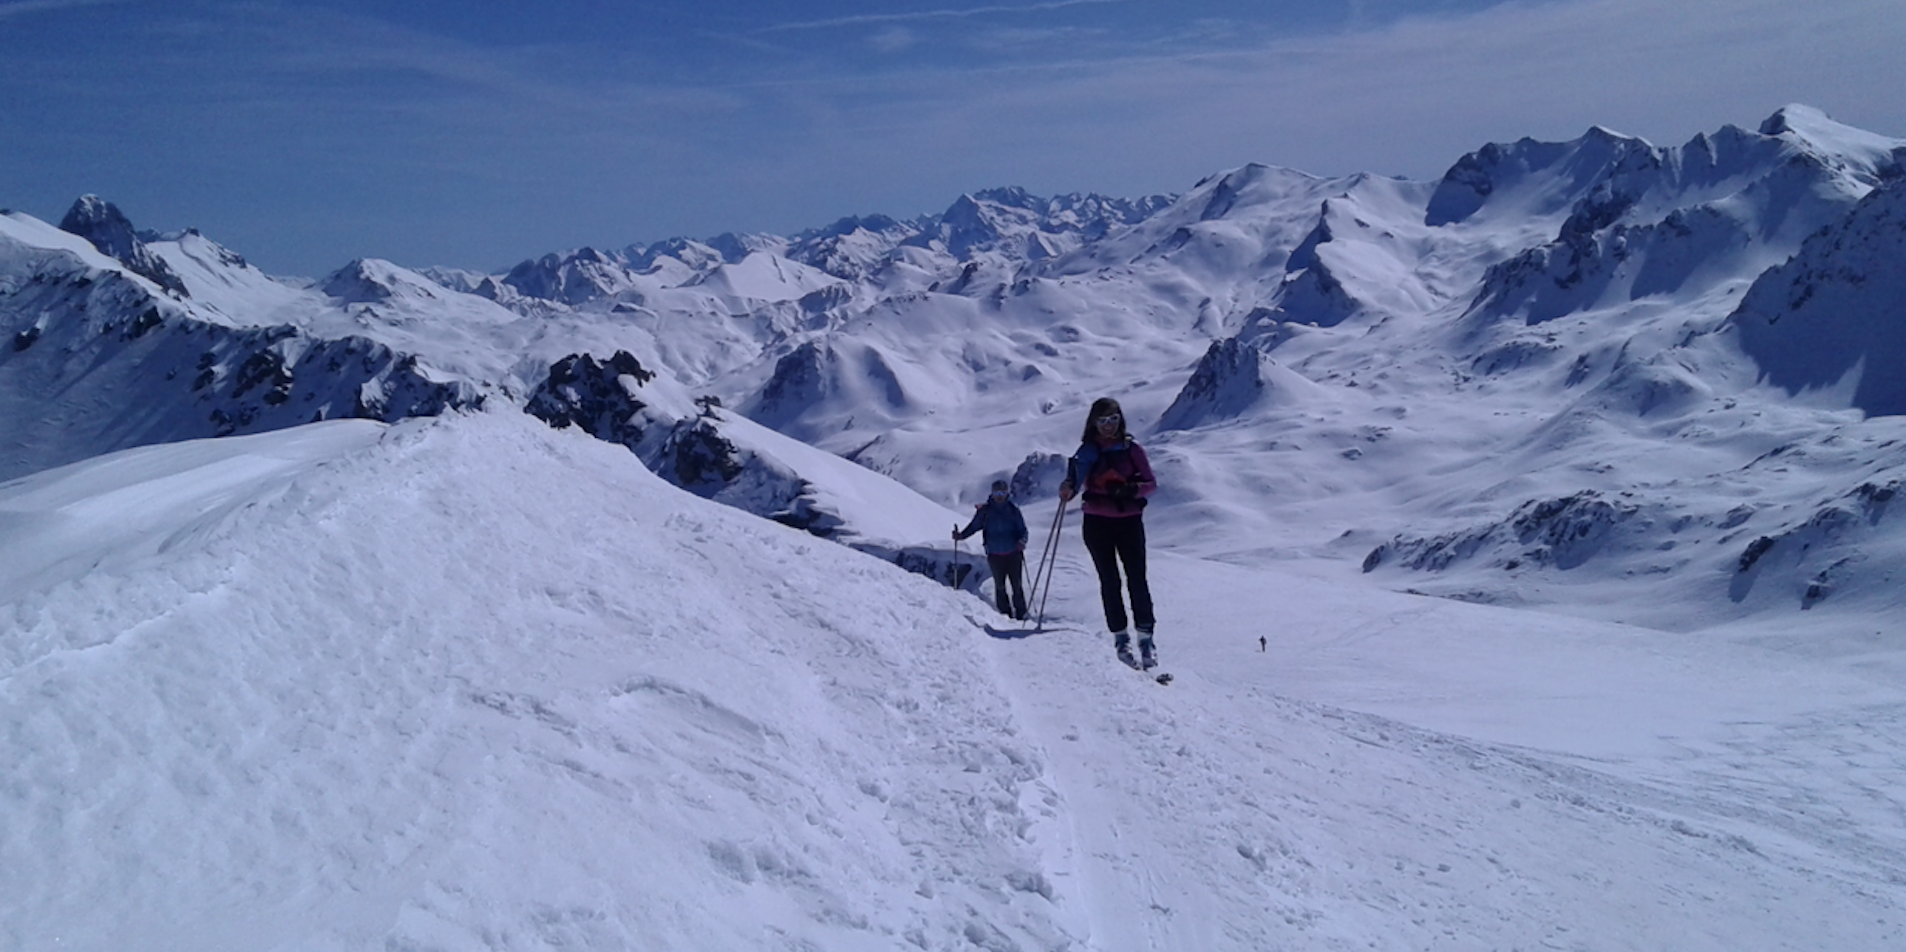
point(1829, 318)
point(474, 683)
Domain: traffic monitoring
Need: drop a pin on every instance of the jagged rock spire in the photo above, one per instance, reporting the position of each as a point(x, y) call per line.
point(109, 230)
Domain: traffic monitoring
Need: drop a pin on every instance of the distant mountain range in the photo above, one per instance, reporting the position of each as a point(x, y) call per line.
point(1604, 376)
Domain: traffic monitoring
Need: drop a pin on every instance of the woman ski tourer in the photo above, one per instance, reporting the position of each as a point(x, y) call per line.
point(1003, 534)
point(1112, 476)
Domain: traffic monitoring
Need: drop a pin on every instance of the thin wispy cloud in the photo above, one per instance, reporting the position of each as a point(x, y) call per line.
point(952, 13)
point(24, 7)
point(1413, 95)
point(893, 39)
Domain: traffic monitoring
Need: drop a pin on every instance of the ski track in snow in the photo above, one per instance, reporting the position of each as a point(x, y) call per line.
point(1478, 844)
point(484, 685)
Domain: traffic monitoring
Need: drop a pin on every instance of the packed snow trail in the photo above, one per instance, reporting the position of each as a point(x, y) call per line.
point(1251, 807)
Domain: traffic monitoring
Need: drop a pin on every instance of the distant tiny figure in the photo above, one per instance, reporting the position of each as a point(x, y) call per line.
point(1111, 473)
point(1003, 536)
point(1260, 642)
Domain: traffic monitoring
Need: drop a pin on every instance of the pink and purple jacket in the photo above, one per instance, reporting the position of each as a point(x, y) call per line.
point(1113, 479)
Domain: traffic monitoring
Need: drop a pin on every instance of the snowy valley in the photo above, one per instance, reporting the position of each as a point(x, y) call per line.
point(1523, 549)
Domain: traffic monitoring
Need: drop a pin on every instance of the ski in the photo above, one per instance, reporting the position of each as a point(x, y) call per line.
point(1126, 658)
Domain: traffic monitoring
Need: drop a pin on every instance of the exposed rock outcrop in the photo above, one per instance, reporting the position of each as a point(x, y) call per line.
point(107, 228)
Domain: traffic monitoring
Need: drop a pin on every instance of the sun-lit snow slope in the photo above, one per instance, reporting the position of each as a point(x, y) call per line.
point(116, 511)
point(861, 506)
point(1390, 771)
point(483, 684)
point(486, 684)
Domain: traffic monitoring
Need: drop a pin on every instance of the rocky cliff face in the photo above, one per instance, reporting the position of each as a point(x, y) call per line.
point(1229, 380)
point(600, 397)
point(607, 401)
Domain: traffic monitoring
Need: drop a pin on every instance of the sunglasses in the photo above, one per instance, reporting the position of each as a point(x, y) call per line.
point(1111, 420)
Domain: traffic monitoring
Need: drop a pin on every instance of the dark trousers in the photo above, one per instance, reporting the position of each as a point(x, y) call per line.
point(1010, 567)
point(1115, 539)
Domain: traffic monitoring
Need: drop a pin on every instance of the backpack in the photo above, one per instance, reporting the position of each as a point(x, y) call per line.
point(1104, 467)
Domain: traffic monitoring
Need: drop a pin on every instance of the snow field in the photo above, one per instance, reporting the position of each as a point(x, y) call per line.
point(485, 686)
point(1581, 789)
point(472, 683)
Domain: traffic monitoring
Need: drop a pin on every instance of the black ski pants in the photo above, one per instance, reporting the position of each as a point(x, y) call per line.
point(1009, 567)
point(1112, 540)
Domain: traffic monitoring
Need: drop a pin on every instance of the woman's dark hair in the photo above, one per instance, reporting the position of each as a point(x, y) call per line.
point(1103, 406)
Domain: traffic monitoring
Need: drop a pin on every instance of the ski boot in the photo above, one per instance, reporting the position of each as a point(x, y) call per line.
point(1122, 643)
point(1147, 653)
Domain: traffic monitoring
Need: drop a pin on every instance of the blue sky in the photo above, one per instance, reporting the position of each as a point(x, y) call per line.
point(475, 134)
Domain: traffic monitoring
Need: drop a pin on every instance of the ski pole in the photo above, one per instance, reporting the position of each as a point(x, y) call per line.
point(1058, 533)
point(1049, 558)
point(1050, 561)
point(1045, 554)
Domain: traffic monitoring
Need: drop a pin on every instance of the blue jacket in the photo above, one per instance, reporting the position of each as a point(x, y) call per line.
point(1002, 527)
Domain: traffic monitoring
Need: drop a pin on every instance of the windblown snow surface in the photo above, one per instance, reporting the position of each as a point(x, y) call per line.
point(471, 683)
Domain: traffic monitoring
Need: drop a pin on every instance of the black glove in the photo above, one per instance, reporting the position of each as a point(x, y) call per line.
point(1122, 490)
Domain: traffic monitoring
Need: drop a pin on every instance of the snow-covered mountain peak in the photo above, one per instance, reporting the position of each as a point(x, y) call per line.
point(763, 276)
point(1813, 126)
point(1234, 233)
point(579, 276)
point(853, 224)
point(674, 256)
point(1250, 185)
point(376, 281)
point(224, 287)
point(1532, 179)
point(850, 248)
point(194, 243)
point(25, 240)
point(102, 223)
point(992, 220)
point(1637, 221)
point(734, 246)
point(90, 213)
